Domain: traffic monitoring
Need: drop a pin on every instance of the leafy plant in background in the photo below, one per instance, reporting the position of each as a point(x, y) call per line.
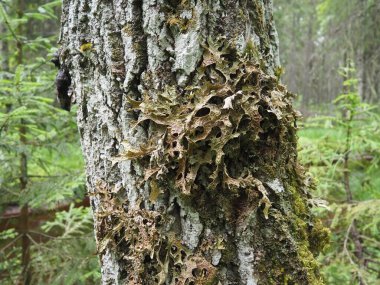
point(10, 256)
point(75, 229)
point(41, 163)
point(343, 152)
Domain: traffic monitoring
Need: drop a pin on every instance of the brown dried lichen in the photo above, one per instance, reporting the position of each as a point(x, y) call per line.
point(149, 256)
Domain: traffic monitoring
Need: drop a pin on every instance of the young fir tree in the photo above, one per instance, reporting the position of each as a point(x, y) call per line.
point(190, 143)
point(343, 151)
point(39, 166)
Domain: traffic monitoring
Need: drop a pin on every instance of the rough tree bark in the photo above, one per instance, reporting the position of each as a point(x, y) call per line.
point(189, 142)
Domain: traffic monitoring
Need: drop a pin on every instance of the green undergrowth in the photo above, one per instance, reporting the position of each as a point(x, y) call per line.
point(320, 150)
point(342, 153)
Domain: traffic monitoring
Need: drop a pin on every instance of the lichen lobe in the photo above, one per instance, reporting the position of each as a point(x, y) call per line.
point(227, 137)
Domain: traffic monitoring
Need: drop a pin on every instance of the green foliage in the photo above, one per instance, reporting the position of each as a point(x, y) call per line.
point(75, 230)
point(26, 103)
point(338, 147)
point(10, 256)
point(50, 137)
point(41, 162)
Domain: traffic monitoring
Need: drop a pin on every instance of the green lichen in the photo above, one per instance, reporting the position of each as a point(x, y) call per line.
point(251, 50)
point(319, 237)
point(299, 203)
point(128, 29)
point(85, 47)
point(175, 21)
point(213, 144)
point(178, 16)
point(278, 72)
point(309, 264)
point(200, 128)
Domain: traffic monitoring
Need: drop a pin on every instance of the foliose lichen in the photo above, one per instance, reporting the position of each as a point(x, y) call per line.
point(221, 144)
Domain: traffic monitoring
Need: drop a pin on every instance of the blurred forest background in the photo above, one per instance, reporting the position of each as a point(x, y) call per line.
point(330, 55)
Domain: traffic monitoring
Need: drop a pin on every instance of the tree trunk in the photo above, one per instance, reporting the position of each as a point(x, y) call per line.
point(189, 142)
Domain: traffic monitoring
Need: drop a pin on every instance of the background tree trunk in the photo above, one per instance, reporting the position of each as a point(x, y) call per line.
point(189, 143)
